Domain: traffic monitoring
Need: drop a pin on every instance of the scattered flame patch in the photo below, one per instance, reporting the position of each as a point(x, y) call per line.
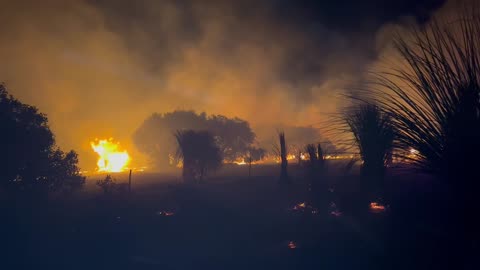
point(304, 207)
point(110, 157)
point(300, 206)
point(376, 207)
point(240, 161)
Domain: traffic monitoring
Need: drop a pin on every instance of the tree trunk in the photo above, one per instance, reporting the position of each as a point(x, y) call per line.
point(188, 172)
point(283, 154)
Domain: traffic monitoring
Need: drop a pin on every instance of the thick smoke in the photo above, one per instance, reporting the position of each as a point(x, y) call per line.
point(99, 68)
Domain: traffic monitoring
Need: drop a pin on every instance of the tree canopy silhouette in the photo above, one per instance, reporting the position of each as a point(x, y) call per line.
point(154, 137)
point(29, 158)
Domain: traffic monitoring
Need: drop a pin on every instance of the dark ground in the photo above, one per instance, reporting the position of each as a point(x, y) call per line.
point(229, 222)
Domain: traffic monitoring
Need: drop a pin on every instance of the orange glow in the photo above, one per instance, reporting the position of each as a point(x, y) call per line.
point(413, 154)
point(110, 157)
point(377, 207)
point(240, 161)
point(299, 206)
point(304, 207)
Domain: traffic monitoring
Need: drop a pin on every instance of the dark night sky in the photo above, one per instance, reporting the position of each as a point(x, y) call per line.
point(99, 67)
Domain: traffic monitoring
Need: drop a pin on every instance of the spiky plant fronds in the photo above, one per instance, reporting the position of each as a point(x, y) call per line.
point(312, 154)
point(373, 135)
point(199, 152)
point(434, 100)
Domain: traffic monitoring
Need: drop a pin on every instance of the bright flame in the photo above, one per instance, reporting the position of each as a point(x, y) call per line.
point(110, 159)
point(240, 161)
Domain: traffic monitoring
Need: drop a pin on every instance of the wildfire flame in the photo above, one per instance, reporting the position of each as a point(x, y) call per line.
point(376, 207)
point(240, 161)
point(110, 158)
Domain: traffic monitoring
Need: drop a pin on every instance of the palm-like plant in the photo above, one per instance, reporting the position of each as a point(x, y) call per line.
point(373, 135)
point(434, 100)
point(312, 155)
point(199, 152)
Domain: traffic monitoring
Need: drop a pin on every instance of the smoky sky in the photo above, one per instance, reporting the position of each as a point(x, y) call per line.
point(98, 68)
point(343, 30)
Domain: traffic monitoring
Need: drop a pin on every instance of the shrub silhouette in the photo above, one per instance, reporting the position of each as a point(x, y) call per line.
point(108, 184)
point(30, 160)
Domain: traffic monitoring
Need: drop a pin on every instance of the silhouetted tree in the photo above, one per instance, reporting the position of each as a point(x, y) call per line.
point(373, 135)
point(153, 137)
point(29, 159)
point(199, 153)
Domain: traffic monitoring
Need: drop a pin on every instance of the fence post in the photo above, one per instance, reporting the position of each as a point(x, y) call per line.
point(130, 182)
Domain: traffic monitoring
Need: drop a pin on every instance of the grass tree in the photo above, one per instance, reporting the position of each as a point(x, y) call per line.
point(312, 156)
point(199, 152)
point(316, 159)
point(373, 134)
point(434, 102)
